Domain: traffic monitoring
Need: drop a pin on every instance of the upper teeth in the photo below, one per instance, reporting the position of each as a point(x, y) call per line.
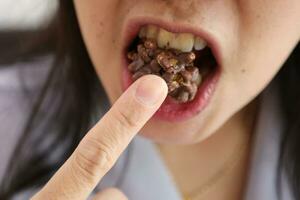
point(184, 42)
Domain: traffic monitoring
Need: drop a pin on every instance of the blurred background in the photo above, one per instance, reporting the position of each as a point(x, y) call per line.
point(25, 14)
point(14, 107)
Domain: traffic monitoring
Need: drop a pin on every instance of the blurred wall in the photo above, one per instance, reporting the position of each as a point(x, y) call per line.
point(25, 14)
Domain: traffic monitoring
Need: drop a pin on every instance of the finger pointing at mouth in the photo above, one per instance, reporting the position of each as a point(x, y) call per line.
point(103, 144)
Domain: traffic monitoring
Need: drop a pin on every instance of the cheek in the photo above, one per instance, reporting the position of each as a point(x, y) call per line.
point(268, 31)
point(100, 31)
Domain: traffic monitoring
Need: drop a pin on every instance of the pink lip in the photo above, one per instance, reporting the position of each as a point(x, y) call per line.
point(170, 110)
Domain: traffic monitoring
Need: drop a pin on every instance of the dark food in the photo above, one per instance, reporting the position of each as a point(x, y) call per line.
point(175, 67)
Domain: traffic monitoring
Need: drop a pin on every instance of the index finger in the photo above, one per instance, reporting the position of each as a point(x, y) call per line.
point(103, 144)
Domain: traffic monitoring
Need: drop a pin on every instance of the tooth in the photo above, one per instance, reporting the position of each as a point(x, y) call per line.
point(152, 32)
point(175, 44)
point(199, 80)
point(164, 38)
point(199, 44)
point(183, 42)
point(143, 32)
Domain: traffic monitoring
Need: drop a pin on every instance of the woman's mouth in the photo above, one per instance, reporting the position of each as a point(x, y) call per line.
point(184, 60)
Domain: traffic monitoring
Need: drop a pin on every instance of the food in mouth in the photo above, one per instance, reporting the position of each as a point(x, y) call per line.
point(181, 59)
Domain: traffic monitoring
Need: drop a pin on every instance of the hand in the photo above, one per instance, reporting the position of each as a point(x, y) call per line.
point(103, 144)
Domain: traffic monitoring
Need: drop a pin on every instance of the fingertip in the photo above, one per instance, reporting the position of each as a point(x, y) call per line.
point(160, 83)
point(151, 90)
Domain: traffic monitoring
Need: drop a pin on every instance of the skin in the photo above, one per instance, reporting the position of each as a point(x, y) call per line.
point(246, 32)
point(253, 49)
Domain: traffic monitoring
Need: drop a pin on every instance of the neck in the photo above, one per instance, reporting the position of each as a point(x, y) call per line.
point(192, 166)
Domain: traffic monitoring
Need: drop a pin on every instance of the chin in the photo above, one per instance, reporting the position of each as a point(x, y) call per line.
point(157, 132)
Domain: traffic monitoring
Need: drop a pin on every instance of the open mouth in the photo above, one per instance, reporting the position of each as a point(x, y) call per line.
point(184, 60)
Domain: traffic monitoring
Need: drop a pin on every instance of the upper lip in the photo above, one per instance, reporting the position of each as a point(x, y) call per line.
point(133, 26)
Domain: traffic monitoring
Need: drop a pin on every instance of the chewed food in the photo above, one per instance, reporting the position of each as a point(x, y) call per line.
point(178, 68)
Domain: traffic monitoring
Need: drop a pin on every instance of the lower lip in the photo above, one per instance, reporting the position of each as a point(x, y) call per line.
point(172, 111)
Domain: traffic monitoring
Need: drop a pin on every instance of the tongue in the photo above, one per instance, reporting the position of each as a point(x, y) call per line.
point(175, 67)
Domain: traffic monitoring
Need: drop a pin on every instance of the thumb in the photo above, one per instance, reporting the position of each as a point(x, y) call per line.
point(110, 194)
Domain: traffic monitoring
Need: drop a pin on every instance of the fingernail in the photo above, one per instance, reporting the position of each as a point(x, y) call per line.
point(150, 90)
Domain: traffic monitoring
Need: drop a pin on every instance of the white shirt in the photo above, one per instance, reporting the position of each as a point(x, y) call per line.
point(140, 172)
